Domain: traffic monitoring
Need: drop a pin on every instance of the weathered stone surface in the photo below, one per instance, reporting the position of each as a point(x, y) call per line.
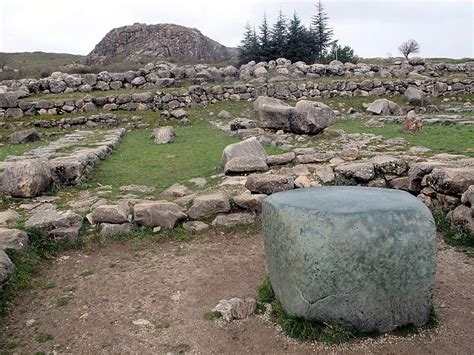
point(412, 123)
point(250, 201)
point(318, 157)
point(161, 213)
point(29, 135)
point(269, 183)
point(463, 216)
point(13, 239)
point(111, 214)
point(280, 159)
point(51, 219)
point(414, 96)
point(8, 216)
point(195, 226)
point(273, 113)
point(389, 165)
point(26, 178)
point(302, 181)
point(311, 117)
point(208, 205)
point(160, 41)
point(233, 219)
point(164, 135)
point(176, 190)
point(6, 267)
point(358, 171)
point(112, 229)
point(384, 107)
point(324, 173)
point(236, 308)
point(452, 181)
point(179, 113)
point(467, 197)
point(245, 164)
point(246, 148)
point(390, 285)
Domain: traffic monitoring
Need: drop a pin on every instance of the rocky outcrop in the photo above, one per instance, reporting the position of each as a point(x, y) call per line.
point(163, 41)
point(307, 117)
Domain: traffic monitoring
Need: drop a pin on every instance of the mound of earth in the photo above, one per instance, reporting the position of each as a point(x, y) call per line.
point(157, 41)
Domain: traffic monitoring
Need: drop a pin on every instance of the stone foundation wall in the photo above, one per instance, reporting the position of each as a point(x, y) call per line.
point(12, 108)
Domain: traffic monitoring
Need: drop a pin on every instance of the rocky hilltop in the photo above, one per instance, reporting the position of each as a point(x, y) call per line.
point(158, 41)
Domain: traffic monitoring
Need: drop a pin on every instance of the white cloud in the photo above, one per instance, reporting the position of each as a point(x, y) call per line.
point(444, 28)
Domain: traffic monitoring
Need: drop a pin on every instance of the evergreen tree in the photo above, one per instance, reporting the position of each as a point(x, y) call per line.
point(249, 46)
point(298, 44)
point(343, 54)
point(278, 37)
point(321, 33)
point(264, 40)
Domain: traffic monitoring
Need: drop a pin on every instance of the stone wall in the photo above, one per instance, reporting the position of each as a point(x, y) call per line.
point(164, 74)
point(12, 108)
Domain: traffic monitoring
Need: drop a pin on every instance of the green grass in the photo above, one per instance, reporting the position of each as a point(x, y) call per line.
point(305, 330)
point(213, 315)
point(63, 301)
point(440, 139)
point(44, 337)
point(18, 149)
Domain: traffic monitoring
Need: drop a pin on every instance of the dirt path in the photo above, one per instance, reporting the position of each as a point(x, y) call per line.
point(172, 285)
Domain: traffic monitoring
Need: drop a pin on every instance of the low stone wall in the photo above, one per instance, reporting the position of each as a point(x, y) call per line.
point(164, 74)
point(65, 161)
point(12, 108)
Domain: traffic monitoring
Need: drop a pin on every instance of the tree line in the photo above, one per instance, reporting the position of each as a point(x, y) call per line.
point(290, 39)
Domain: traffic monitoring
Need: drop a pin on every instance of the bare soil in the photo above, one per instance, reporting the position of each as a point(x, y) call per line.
point(174, 284)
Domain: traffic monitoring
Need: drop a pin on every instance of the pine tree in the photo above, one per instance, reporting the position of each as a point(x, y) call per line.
point(264, 40)
point(343, 54)
point(298, 44)
point(278, 37)
point(321, 33)
point(249, 45)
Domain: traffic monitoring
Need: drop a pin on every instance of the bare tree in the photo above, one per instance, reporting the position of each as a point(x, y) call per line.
point(409, 47)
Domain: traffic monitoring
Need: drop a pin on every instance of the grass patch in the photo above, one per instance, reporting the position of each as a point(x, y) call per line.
point(306, 330)
point(440, 139)
point(213, 315)
point(63, 301)
point(454, 234)
point(44, 337)
point(28, 265)
point(18, 149)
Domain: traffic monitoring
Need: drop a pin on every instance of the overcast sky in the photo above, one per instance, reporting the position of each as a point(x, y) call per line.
point(374, 28)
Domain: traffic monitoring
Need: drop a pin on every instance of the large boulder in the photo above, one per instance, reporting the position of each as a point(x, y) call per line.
point(384, 107)
point(307, 117)
point(61, 225)
point(451, 181)
point(311, 117)
point(359, 257)
point(359, 171)
point(273, 113)
point(29, 135)
point(26, 178)
point(269, 183)
point(111, 214)
point(246, 148)
point(208, 205)
point(158, 214)
point(414, 96)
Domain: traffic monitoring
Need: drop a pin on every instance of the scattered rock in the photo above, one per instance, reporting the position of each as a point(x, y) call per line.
point(137, 188)
point(463, 216)
point(6, 267)
point(451, 181)
point(302, 181)
point(246, 148)
point(374, 123)
point(358, 171)
point(236, 308)
point(111, 214)
point(111, 229)
point(176, 190)
point(26, 178)
point(164, 135)
point(412, 122)
point(198, 181)
point(13, 239)
point(268, 183)
point(224, 114)
point(233, 219)
point(160, 213)
point(414, 96)
point(178, 114)
point(195, 226)
point(30, 135)
point(248, 201)
point(208, 205)
point(384, 107)
point(245, 164)
point(8, 216)
point(280, 159)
